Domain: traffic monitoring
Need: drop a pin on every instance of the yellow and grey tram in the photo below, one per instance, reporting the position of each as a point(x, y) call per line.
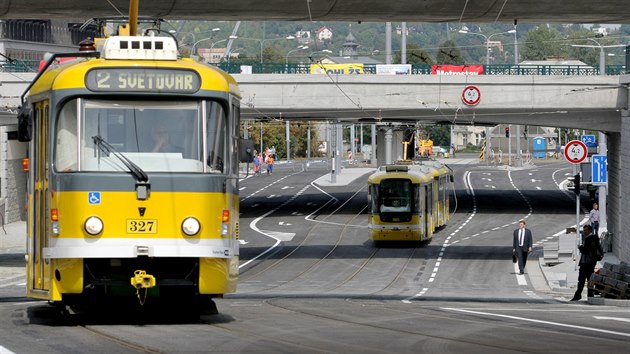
point(133, 175)
point(408, 201)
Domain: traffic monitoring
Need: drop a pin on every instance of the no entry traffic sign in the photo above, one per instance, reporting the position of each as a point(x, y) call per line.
point(471, 95)
point(575, 151)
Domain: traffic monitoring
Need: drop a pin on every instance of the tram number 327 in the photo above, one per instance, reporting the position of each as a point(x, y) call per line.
point(142, 226)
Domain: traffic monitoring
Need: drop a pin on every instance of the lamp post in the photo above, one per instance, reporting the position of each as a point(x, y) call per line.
point(286, 58)
point(486, 39)
point(602, 54)
point(185, 34)
point(321, 51)
point(262, 42)
point(515, 45)
point(229, 54)
point(194, 46)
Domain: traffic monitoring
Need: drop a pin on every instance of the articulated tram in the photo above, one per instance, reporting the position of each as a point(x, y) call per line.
point(408, 201)
point(133, 175)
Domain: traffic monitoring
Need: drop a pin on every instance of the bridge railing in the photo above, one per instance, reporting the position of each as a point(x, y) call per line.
point(425, 69)
point(19, 66)
point(416, 69)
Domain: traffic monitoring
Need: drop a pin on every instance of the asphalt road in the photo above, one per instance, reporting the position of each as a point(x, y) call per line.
point(311, 281)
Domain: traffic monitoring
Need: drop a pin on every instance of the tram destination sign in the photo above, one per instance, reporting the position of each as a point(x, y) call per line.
point(142, 80)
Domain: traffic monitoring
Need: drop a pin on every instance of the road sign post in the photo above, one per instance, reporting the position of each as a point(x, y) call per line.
point(575, 151)
point(599, 169)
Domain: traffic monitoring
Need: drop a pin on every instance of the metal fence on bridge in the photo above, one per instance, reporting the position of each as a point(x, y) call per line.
point(425, 69)
point(416, 69)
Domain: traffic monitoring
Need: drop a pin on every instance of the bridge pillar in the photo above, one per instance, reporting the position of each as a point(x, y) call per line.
point(388, 145)
point(373, 159)
point(621, 228)
point(618, 204)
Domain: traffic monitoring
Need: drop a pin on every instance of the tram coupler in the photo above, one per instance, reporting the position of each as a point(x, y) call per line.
point(142, 280)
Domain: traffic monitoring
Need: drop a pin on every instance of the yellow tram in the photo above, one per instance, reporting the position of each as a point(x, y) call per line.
point(408, 201)
point(133, 176)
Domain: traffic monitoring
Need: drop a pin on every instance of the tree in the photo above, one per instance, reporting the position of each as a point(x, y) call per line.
point(274, 135)
point(272, 55)
point(415, 55)
point(440, 134)
point(543, 42)
point(449, 53)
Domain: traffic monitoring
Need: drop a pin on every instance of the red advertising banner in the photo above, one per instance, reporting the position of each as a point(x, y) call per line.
point(457, 69)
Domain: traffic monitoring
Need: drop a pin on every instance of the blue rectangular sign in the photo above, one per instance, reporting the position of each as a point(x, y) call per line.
point(589, 140)
point(599, 168)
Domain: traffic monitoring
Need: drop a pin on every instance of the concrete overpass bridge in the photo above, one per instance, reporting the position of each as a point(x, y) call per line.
point(526, 11)
point(584, 102)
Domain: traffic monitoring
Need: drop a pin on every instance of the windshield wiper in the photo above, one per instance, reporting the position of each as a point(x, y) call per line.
point(107, 148)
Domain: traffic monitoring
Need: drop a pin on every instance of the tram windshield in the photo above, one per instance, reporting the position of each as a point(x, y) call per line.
point(158, 136)
point(393, 196)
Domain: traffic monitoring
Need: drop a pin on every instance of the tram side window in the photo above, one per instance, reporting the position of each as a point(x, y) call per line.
point(373, 198)
point(66, 139)
point(217, 137)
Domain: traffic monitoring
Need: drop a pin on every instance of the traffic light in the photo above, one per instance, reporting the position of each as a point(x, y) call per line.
point(507, 132)
point(576, 184)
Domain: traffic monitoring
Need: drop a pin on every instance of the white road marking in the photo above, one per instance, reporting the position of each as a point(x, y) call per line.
point(612, 318)
point(538, 321)
point(4, 350)
point(520, 278)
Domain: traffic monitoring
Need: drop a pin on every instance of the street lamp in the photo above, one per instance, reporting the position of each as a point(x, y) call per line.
point(262, 42)
point(229, 54)
point(327, 51)
point(194, 46)
point(464, 30)
point(602, 55)
point(185, 34)
point(286, 59)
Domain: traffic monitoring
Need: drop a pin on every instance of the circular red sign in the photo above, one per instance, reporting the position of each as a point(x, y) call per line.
point(575, 151)
point(471, 95)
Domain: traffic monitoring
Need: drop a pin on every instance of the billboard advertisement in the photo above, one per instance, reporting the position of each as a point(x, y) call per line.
point(448, 69)
point(337, 69)
point(393, 69)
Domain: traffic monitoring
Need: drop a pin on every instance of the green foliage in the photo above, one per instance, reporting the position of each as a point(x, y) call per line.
point(415, 55)
point(543, 42)
point(274, 135)
point(449, 53)
point(427, 43)
point(440, 134)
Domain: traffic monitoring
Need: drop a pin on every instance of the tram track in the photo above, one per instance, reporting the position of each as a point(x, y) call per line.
point(125, 343)
point(304, 242)
point(385, 326)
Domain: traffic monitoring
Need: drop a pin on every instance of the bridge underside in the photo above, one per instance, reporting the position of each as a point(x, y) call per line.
point(589, 102)
point(528, 11)
point(602, 120)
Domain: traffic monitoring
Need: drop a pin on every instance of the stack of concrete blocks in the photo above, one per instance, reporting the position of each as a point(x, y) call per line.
point(560, 250)
point(612, 281)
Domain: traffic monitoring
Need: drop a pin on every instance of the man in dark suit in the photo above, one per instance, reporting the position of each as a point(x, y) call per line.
point(522, 244)
point(588, 260)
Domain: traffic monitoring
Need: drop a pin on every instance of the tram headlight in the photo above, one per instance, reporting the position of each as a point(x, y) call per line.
point(191, 226)
point(93, 225)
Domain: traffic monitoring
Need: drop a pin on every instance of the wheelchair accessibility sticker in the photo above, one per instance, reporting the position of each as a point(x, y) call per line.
point(94, 197)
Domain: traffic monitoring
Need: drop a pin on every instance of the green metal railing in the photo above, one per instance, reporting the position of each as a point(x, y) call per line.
point(425, 69)
point(19, 66)
point(416, 69)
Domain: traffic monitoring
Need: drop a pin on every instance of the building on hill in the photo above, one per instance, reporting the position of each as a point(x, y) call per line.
point(349, 53)
point(323, 34)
